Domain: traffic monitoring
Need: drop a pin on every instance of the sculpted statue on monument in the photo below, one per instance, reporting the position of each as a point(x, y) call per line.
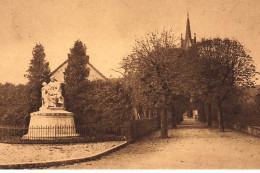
point(52, 95)
point(44, 96)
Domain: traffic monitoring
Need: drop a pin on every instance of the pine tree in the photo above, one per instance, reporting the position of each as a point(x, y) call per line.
point(38, 72)
point(75, 74)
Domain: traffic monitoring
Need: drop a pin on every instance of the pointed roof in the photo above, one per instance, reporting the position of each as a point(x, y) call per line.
point(54, 71)
point(188, 32)
point(188, 41)
point(65, 62)
point(97, 70)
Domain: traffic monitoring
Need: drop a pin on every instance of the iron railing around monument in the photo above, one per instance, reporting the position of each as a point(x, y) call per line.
point(64, 134)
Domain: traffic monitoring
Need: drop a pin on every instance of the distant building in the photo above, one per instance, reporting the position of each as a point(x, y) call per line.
point(185, 44)
point(188, 41)
point(94, 74)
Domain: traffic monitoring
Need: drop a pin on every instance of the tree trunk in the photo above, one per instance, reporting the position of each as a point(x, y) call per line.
point(178, 117)
point(220, 118)
point(203, 117)
point(209, 115)
point(149, 113)
point(199, 115)
point(174, 125)
point(174, 117)
point(164, 124)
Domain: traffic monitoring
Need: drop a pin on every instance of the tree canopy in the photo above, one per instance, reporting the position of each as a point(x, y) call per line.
point(222, 66)
point(153, 73)
point(75, 73)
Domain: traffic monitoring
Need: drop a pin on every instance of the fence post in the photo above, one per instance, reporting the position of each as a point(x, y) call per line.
point(59, 129)
point(41, 132)
point(69, 130)
point(48, 131)
point(45, 132)
point(33, 131)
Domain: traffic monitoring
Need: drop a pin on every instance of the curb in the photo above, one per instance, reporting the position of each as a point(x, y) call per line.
point(62, 162)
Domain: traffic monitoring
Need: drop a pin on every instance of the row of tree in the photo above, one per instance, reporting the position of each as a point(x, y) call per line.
point(158, 72)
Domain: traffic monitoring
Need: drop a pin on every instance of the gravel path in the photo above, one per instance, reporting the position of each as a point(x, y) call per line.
point(191, 146)
point(26, 153)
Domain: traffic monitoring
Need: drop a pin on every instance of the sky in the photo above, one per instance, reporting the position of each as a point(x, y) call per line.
point(109, 28)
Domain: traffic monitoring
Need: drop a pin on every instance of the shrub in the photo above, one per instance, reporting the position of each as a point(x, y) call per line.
point(14, 108)
point(102, 102)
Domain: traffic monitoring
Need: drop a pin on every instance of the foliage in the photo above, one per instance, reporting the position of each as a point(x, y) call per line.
point(102, 102)
point(75, 73)
point(152, 70)
point(38, 72)
point(243, 108)
point(153, 73)
point(99, 103)
point(14, 108)
point(223, 67)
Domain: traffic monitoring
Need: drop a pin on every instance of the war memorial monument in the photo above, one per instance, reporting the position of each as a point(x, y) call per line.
point(52, 121)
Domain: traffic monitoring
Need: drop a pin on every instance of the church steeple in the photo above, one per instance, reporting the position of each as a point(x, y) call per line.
point(188, 33)
point(188, 42)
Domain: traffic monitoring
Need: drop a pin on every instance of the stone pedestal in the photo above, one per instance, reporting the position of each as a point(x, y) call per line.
point(51, 124)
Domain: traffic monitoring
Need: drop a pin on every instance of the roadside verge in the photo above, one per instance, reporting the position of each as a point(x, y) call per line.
point(41, 164)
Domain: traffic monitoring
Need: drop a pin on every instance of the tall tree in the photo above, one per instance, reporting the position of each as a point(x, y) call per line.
point(223, 66)
point(75, 74)
point(38, 72)
point(152, 71)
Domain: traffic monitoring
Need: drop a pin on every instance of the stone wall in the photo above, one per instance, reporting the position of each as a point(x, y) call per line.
point(252, 130)
point(138, 128)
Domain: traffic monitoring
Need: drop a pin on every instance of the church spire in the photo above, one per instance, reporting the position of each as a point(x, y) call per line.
point(188, 42)
point(188, 32)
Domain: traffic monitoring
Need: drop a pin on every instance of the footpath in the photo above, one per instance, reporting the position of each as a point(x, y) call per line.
point(191, 146)
point(27, 156)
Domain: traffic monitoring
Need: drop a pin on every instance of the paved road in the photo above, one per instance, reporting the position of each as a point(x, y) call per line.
point(191, 146)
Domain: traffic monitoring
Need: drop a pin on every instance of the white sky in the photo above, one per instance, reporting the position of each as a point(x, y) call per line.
point(109, 28)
